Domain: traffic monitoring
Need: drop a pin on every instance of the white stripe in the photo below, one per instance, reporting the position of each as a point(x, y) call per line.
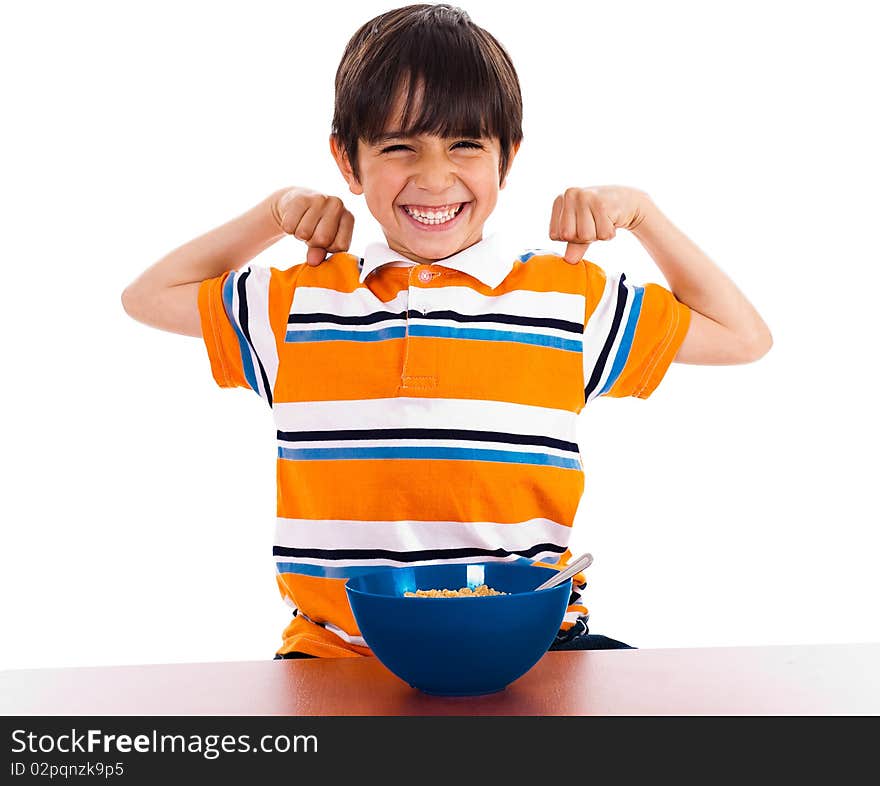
point(408, 535)
point(335, 629)
point(598, 326)
point(359, 303)
point(373, 327)
point(464, 300)
point(259, 327)
point(621, 329)
point(358, 640)
point(402, 412)
point(519, 303)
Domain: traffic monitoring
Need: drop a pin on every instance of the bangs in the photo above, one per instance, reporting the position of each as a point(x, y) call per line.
point(445, 93)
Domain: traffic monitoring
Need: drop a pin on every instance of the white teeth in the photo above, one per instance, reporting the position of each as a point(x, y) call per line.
point(433, 217)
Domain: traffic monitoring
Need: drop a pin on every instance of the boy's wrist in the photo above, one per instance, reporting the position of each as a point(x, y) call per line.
point(643, 212)
point(271, 205)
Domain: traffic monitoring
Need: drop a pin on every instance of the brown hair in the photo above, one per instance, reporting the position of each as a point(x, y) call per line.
point(470, 85)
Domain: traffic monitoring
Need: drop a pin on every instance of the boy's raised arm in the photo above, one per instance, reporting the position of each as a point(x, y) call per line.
point(165, 295)
point(724, 327)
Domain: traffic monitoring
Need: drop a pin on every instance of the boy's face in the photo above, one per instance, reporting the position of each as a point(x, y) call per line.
point(456, 179)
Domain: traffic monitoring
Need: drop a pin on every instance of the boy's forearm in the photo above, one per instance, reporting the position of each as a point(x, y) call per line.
point(228, 247)
point(694, 279)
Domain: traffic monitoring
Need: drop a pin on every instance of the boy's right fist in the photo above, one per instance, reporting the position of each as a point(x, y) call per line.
point(320, 221)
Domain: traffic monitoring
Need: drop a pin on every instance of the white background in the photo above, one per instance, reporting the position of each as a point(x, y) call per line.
point(736, 506)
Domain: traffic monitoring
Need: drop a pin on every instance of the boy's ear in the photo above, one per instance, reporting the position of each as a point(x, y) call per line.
point(513, 151)
point(344, 165)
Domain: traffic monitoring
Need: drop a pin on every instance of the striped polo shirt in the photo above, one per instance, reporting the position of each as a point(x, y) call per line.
point(427, 413)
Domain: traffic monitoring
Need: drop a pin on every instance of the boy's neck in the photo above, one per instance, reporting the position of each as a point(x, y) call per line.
point(406, 254)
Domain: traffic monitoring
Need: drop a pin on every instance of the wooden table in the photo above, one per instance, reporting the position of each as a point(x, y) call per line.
point(827, 679)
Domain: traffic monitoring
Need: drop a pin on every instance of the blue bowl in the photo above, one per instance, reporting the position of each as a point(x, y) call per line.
point(463, 646)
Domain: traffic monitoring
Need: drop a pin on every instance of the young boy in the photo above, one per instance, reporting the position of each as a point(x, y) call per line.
point(425, 394)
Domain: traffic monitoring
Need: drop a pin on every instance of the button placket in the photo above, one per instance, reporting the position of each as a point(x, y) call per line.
point(417, 294)
point(418, 372)
point(409, 289)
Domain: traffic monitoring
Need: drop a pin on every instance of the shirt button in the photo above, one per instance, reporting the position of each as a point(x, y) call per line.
point(425, 276)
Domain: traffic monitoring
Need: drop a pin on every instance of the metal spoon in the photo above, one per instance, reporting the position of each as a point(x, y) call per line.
point(581, 563)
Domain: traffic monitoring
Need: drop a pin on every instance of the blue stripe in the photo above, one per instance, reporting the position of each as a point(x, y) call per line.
point(626, 342)
point(533, 252)
point(243, 345)
point(537, 339)
point(349, 571)
point(298, 336)
point(332, 572)
point(413, 452)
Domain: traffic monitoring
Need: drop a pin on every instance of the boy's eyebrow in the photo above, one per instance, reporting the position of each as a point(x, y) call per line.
point(388, 135)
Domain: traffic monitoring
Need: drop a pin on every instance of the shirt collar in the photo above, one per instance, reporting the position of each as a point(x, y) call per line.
point(488, 261)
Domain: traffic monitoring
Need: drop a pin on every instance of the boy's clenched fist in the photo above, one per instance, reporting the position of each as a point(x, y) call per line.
point(583, 215)
point(320, 221)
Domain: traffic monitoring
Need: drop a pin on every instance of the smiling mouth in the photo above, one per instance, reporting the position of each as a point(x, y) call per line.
point(434, 216)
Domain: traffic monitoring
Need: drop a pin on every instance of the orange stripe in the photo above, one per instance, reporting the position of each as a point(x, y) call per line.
point(302, 636)
point(426, 490)
point(679, 324)
point(594, 288)
point(501, 371)
point(320, 599)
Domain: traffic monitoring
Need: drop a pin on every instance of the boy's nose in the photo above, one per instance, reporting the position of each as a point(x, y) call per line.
point(435, 177)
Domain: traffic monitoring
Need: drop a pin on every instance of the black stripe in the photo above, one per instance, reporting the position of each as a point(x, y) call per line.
point(336, 319)
point(454, 316)
point(507, 319)
point(427, 433)
point(243, 320)
point(412, 556)
point(609, 341)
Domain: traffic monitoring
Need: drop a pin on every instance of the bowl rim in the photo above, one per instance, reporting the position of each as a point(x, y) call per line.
point(420, 598)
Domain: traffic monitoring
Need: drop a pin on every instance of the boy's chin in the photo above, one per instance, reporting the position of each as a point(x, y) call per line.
point(436, 249)
point(430, 248)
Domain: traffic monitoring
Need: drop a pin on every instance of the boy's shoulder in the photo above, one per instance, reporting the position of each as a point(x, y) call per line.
point(543, 270)
point(539, 257)
point(536, 254)
point(339, 270)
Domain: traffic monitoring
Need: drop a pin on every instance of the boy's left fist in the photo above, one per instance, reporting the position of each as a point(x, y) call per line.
point(583, 215)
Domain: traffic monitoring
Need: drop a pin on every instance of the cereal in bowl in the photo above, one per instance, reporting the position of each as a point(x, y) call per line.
point(464, 592)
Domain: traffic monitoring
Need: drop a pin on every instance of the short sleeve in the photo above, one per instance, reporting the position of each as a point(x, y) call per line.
point(234, 309)
point(631, 335)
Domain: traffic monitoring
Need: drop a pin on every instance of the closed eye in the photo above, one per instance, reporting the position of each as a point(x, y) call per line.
point(472, 145)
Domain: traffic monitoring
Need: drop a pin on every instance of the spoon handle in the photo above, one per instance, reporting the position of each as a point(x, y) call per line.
point(581, 563)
